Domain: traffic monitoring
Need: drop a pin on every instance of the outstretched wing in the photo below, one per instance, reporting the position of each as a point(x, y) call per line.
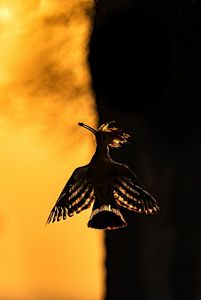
point(131, 195)
point(76, 196)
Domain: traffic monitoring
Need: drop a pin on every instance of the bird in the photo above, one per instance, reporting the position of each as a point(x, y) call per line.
point(105, 183)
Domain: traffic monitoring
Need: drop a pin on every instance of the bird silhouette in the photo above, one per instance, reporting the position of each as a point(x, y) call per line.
point(104, 183)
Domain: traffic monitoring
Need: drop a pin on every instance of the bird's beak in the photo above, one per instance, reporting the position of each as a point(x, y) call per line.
point(88, 127)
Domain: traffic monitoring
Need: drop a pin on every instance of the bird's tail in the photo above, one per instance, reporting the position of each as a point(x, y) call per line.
point(106, 216)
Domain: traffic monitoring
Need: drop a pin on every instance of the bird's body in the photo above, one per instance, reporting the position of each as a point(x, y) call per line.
point(105, 183)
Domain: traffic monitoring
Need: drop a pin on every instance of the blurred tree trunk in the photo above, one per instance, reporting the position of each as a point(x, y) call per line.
point(145, 60)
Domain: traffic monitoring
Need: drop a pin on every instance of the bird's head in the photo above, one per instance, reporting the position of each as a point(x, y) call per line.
point(106, 135)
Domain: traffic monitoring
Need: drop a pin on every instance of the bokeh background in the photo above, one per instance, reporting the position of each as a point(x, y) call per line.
point(45, 90)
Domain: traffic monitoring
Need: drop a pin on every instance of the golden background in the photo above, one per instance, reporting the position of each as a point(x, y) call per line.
point(45, 89)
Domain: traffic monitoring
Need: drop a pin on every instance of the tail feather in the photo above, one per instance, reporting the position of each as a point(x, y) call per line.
point(106, 217)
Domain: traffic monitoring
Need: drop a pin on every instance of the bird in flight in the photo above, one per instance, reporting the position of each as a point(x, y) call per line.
point(104, 183)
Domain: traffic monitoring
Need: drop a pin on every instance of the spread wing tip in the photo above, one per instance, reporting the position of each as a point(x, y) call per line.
point(56, 214)
point(152, 211)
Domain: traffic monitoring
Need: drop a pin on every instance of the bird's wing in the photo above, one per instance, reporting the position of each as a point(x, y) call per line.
point(76, 196)
point(131, 195)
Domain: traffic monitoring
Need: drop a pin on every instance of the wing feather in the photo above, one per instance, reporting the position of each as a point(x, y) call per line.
point(81, 199)
point(131, 195)
point(85, 202)
point(75, 197)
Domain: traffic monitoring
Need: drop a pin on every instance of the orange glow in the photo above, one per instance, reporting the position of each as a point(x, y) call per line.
point(44, 91)
point(5, 14)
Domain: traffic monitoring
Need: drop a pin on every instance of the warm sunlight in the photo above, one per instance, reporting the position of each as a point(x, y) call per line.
point(5, 14)
point(44, 92)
